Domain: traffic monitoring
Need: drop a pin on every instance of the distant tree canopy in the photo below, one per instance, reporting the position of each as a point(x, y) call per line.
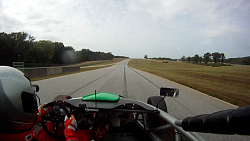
point(120, 57)
point(188, 59)
point(242, 60)
point(163, 58)
point(183, 58)
point(216, 57)
point(196, 58)
point(88, 55)
point(22, 47)
point(207, 57)
point(222, 57)
point(200, 59)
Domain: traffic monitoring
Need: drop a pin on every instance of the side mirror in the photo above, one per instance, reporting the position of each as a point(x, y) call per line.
point(171, 92)
point(36, 88)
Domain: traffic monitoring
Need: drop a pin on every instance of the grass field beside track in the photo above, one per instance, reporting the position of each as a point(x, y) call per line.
point(229, 83)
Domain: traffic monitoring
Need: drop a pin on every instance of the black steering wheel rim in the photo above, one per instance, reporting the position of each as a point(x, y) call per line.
point(51, 104)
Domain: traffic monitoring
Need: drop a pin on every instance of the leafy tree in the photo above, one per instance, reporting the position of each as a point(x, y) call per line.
point(183, 58)
point(146, 56)
point(196, 58)
point(59, 49)
point(88, 55)
point(189, 59)
point(19, 46)
point(242, 61)
point(222, 57)
point(14, 46)
point(200, 59)
point(216, 57)
point(44, 50)
point(246, 61)
point(109, 56)
point(207, 57)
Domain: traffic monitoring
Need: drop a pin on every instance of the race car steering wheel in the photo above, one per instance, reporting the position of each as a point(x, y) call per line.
point(54, 119)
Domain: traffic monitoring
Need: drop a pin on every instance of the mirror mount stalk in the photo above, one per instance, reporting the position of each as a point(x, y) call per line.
point(159, 102)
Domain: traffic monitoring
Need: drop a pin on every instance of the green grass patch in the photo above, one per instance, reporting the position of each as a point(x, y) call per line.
point(229, 83)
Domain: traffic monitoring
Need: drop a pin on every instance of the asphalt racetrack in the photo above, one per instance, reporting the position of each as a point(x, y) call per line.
point(138, 85)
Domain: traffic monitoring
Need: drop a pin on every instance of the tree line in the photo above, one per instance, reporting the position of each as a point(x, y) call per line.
point(239, 60)
point(121, 57)
point(163, 58)
point(215, 57)
point(22, 47)
point(159, 58)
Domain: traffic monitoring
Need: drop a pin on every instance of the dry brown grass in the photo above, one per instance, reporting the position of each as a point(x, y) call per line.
point(229, 83)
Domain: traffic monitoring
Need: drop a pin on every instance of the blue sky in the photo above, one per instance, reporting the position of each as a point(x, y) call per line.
point(133, 28)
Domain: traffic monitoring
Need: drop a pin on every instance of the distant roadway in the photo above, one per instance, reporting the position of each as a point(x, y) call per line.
point(135, 84)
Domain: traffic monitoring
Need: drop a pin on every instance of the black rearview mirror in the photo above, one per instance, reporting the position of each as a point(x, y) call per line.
point(36, 88)
point(171, 92)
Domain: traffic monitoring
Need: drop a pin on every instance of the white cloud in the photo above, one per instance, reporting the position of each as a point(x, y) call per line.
point(131, 28)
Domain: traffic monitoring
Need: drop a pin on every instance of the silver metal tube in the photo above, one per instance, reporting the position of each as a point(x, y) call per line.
point(178, 122)
point(177, 136)
point(171, 120)
point(192, 136)
point(152, 135)
point(164, 127)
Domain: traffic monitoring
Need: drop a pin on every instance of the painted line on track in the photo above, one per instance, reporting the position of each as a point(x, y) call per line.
point(92, 81)
point(125, 90)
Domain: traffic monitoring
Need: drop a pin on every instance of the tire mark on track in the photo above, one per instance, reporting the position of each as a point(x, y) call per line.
point(125, 90)
point(159, 88)
point(92, 81)
point(146, 79)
